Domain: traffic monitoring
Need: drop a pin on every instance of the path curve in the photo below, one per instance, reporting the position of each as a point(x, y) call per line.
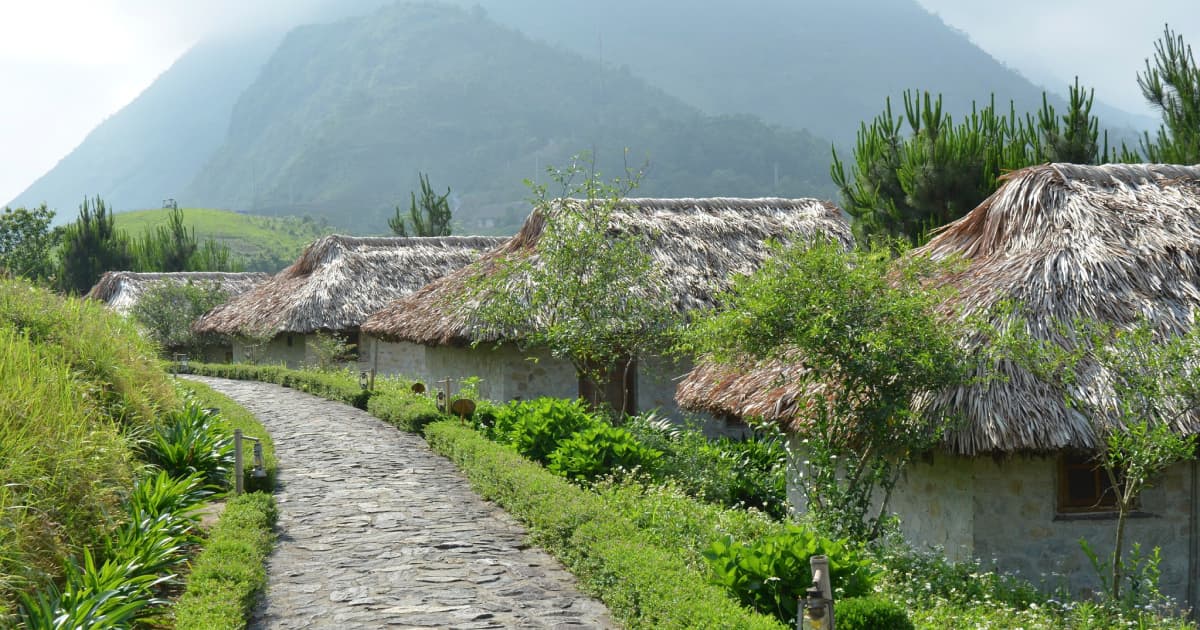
point(375, 530)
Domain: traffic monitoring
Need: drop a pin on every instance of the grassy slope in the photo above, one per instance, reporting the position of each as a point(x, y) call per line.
point(265, 243)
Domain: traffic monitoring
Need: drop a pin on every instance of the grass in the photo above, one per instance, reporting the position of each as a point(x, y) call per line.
point(75, 381)
point(263, 243)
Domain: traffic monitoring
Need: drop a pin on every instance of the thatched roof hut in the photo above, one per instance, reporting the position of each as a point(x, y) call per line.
point(1112, 243)
point(122, 289)
point(702, 242)
point(339, 280)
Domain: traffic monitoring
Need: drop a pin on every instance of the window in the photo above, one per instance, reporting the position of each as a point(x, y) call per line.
point(1083, 486)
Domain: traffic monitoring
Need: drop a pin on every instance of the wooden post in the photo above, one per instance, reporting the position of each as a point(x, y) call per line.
point(238, 464)
point(445, 383)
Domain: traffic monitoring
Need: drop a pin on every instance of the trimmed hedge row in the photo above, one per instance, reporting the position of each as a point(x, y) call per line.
point(643, 585)
point(341, 386)
point(227, 576)
point(404, 409)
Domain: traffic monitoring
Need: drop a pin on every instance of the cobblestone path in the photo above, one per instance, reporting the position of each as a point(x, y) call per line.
point(377, 531)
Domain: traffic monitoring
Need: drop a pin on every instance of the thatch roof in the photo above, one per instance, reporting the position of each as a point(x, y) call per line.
point(339, 280)
point(702, 243)
point(1111, 243)
point(122, 289)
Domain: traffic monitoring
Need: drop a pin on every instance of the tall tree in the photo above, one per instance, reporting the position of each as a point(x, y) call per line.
point(1172, 85)
point(27, 242)
point(91, 245)
point(430, 216)
point(906, 182)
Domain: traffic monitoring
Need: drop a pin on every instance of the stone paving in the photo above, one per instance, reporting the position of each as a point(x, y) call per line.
point(377, 531)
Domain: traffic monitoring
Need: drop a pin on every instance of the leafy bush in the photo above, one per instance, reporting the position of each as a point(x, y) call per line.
point(191, 441)
point(234, 416)
point(598, 451)
point(228, 574)
point(537, 427)
point(770, 573)
point(871, 613)
point(729, 472)
point(643, 584)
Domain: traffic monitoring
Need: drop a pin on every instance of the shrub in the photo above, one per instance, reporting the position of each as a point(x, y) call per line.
point(871, 613)
point(234, 416)
point(770, 573)
point(537, 427)
point(404, 409)
point(644, 585)
point(598, 451)
point(339, 385)
point(191, 441)
point(228, 574)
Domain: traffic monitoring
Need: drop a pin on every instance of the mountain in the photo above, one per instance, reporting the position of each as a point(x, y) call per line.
point(807, 64)
point(344, 116)
point(152, 148)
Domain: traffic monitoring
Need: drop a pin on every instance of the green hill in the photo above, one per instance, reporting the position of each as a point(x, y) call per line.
point(344, 116)
point(263, 243)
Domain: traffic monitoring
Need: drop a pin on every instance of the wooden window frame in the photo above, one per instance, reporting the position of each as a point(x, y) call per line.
point(1099, 496)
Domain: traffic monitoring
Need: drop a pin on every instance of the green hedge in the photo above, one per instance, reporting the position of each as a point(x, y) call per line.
point(404, 409)
point(643, 585)
point(340, 386)
point(227, 576)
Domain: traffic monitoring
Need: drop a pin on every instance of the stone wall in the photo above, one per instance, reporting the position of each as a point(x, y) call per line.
point(1004, 512)
point(505, 372)
point(277, 350)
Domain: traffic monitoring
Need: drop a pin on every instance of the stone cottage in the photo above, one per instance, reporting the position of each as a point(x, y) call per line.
point(1014, 480)
point(333, 286)
point(433, 333)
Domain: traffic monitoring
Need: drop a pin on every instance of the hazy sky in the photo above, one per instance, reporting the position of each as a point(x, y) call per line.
point(68, 64)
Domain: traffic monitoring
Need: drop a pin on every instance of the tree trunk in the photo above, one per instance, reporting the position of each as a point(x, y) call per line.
point(1123, 509)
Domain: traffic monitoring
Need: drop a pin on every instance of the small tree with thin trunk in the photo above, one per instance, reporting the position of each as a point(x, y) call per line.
point(429, 216)
point(1151, 385)
point(590, 294)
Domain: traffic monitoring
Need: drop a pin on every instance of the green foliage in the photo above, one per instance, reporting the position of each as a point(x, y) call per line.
point(600, 450)
point(256, 242)
point(905, 184)
point(339, 385)
point(871, 613)
point(90, 246)
point(191, 441)
point(590, 294)
point(330, 351)
point(537, 427)
point(868, 334)
point(751, 472)
point(430, 217)
point(1172, 86)
point(173, 247)
point(27, 243)
point(771, 572)
point(229, 573)
point(234, 416)
point(400, 407)
point(1154, 381)
point(168, 310)
point(644, 585)
point(138, 559)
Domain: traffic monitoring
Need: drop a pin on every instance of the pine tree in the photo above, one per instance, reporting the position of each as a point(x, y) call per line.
point(91, 246)
point(1172, 85)
point(429, 217)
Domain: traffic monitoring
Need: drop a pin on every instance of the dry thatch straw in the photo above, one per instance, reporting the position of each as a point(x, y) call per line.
point(120, 290)
point(700, 243)
point(339, 280)
point(1111, 243)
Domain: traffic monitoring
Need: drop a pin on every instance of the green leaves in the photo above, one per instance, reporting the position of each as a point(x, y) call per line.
point(597, 451)
point(1172, 85)
point(770, 573)
point(866, 341)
